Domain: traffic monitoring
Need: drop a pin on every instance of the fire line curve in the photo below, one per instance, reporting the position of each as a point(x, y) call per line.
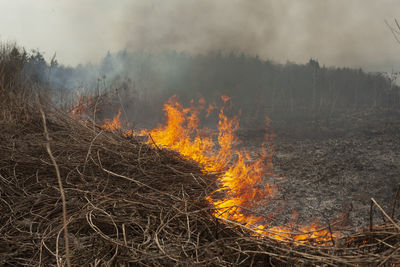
point(241, 178)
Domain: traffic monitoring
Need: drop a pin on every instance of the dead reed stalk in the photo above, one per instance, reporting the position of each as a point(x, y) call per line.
point(60, 185)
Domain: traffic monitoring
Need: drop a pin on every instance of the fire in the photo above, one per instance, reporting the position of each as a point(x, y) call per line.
point(79, 112)
point(114, 124)
point(84, 107)
point(242, 179)
point(80, 108)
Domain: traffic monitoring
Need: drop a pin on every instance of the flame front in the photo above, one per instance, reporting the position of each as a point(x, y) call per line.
point(241, 178)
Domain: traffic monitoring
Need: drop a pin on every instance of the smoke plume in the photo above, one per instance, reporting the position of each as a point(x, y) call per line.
point(336, 32)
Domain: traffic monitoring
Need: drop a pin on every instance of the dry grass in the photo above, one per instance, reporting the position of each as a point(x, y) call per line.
point(127, 203)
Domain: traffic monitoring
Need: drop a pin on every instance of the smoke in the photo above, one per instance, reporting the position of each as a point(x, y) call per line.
point(349, 33)
point(336, 32)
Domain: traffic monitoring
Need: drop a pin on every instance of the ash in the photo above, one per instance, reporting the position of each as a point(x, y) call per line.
point(328, 171)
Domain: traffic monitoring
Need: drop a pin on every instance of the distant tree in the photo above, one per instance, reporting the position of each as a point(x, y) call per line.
point(256, 86)
point(107, 64)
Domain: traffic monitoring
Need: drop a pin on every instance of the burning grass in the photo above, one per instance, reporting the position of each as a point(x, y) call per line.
point(132, 202)
point(129, 202)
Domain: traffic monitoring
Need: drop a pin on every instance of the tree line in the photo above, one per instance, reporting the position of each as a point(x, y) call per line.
point(257, 87)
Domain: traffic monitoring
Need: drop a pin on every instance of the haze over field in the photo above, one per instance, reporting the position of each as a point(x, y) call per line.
point(336, 32)
point(237, 132)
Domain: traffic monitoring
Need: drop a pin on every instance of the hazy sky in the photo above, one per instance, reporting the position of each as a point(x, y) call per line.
point(336, 32)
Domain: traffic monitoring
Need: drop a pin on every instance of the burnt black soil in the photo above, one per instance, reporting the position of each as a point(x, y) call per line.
point(328, 170)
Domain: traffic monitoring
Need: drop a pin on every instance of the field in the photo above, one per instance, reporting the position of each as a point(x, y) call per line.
point(77, 189)
point(330, 172)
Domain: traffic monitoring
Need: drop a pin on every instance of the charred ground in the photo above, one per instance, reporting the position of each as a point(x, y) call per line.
point(329, 169)
point(130, 203)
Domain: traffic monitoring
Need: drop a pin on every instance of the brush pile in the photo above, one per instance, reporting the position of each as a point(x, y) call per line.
point(128, 203)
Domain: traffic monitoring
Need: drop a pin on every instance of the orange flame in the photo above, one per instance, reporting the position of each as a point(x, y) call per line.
point(114, 124)
point(83, 106)
point(241, 178)
point(79, 109)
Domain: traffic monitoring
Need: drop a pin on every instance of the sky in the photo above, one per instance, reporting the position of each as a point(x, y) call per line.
point(348, 33)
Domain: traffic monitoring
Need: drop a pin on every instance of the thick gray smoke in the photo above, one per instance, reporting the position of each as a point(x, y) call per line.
point(336, 32)
point(343, 33)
